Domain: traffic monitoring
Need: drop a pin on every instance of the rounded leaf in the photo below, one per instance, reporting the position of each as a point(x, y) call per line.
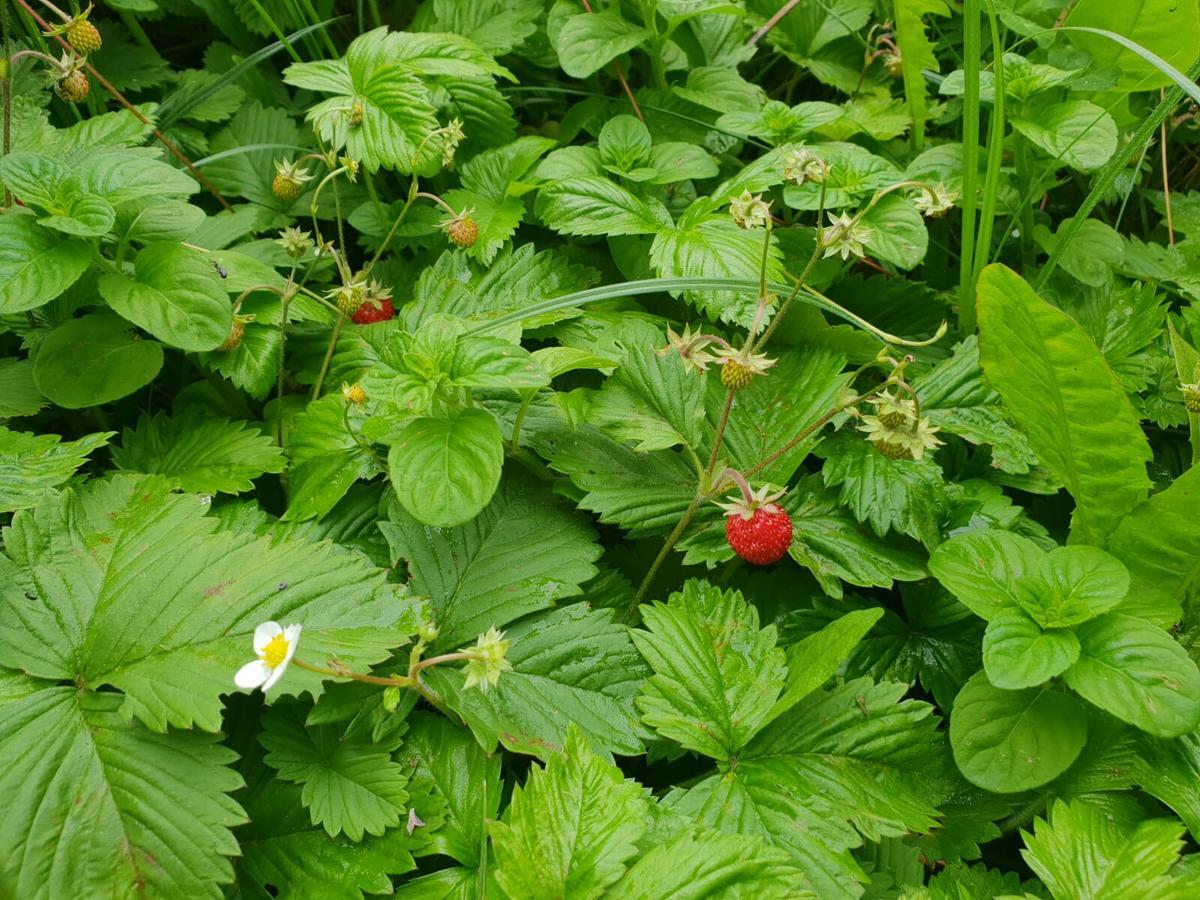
point(1008, 741)
point(89, 361)
point(36, 265)
point(444, 469)
point(1017, 653)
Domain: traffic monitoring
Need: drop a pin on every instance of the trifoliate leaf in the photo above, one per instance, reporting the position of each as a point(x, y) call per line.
point(1082, 852)
point(571, 829)
point(570, 666)
point(350, 785)
point(200, 456)
point(138, 590)
point(31, 464)
point(93, 801)
point(524, 552)
point(716, 674)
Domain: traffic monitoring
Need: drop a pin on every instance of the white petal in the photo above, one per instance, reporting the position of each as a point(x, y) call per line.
point(264, 633)
point(252, 674)
point(274, 677)
point(292, 635)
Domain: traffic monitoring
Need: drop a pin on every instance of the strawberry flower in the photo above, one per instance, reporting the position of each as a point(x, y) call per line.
point(274, 645)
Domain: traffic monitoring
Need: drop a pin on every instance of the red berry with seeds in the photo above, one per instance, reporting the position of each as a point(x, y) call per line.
point(373, 311)
point(757, 528)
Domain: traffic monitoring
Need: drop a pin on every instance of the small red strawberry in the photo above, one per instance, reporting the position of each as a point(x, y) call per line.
point(374, 310)
point(758, 529)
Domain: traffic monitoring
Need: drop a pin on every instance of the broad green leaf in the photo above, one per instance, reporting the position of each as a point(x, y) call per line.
point(717, 675)
point(624, 143)
point(326, 459)
point(982, 568)
point(710, 245)
point(1072, 585)
point(585, 41)
point(75, 212)
point(643, 493)
point(651, 401)
point(176, 295)
point(32, 464)
point(1137, 672)
point(898, 234)
point(485, 362)
point(1170, 771)
point(93, 360)
point(571, 666)
point(350, 785)
point(524, 552)
point(465, 777)
point(495, 219)
point(1076, 133)
point(1163, 27)
point(1017, 653)
point(1160, 546)
point(121, 175)
point(19, 396)
point(1187, 366)
point(1009, 741)
point(202, 456)
point(1063, 395)
point(98, 806)
point(815, 659)
point(150, 220)
point(1084, 852)
point(570, 830)
point(36, 265)
point(706, 865)
point(445, 469)
point(138, 590)
point(888, 494)
point(842, 765)
point(593, 205)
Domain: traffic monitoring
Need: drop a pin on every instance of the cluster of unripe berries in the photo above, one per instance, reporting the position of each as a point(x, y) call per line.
point(71, 82)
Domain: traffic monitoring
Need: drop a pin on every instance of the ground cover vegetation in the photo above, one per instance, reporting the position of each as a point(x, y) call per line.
point(600, 449)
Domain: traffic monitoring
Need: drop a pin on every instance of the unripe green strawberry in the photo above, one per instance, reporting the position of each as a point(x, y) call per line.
point(893, 449)
point(736, 376)
point(349, 300)
point(463, 231)
point(83, 36)
point(73, 87)
point(895, 419)
point(1191, 398)
point(285, 188)
point(355, 115)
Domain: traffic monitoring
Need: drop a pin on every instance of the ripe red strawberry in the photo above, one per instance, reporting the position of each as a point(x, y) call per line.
point(372, 311)
point(758, 530)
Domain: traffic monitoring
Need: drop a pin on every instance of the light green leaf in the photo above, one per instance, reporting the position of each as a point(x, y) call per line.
point(651, 400)
point(484, 362)
point(497, 220)
point(1170, 771)
point(36, 265)
point(1072, 585)
point(1160, 546)
point(589, 204)
point(1017, 653)
point(524, 552)
point(1163, 27)
point(93, 801)
point(1137, 672)
point(624, 143)
point(31, 464)
point(92, 360)
point(19, 396)
point(1187, 366)
point(176, 295)
point(351, 785)
point(326, 459)
point(898, 234)
point(571, 666)
point(982, 568)
point(570, 830)
point(1085, 852)
point(586, 41)
point(716, 677)
point(149, 220)
point(465, 777)
point(445, 468)
point(137, 589)
point(76, 212)
point(916, 55)
point(1009, 741)
point(1063, 395)
point(203, 456)
point(1077, 133)
point(705, 865)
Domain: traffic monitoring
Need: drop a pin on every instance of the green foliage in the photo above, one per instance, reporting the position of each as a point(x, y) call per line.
point(384, 391)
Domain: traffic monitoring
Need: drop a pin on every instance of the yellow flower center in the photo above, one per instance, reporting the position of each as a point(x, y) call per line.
point(276, 651)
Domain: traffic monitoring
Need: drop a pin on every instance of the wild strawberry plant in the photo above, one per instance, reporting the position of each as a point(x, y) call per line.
point(624, 449)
